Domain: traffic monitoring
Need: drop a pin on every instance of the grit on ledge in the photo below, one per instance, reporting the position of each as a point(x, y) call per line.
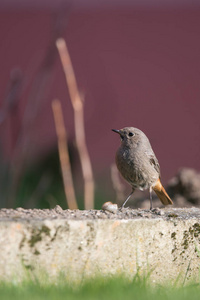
point(125, 213)
point(87, 243)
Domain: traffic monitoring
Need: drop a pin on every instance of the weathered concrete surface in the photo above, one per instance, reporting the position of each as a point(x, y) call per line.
point(165, 244)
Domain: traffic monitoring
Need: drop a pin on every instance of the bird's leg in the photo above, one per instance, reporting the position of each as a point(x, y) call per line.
point(127, 198)
point(150, 194)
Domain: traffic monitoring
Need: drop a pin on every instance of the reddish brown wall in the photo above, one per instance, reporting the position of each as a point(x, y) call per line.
point(135, 68)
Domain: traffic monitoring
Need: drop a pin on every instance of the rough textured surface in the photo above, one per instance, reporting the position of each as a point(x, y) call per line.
point(85, 243)
point(124, 213)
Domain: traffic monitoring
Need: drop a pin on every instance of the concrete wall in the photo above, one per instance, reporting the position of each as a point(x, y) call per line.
point(166, 245)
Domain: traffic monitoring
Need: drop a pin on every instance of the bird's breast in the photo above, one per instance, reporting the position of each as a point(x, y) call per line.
point(135, 168)
point(126, 164)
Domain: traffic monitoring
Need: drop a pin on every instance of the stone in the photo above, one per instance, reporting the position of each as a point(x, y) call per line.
point(166, 245)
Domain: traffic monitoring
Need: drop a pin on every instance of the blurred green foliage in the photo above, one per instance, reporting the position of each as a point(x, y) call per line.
point(41, 185)
point(112, 288)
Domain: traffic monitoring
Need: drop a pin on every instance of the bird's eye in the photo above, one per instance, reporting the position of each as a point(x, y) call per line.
point(131, 134)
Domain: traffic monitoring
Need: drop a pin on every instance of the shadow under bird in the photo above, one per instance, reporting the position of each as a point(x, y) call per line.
point(138, 164)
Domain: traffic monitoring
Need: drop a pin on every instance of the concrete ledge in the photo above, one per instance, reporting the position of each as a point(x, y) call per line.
point(164, 243)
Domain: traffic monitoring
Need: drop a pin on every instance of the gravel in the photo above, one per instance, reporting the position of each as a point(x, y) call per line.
point(125, 213)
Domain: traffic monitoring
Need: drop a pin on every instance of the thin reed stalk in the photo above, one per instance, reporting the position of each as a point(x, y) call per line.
point(64, 155)
point(77, 105)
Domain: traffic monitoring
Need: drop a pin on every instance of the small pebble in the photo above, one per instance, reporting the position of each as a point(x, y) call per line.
point(109, 206)
point(156, 211)
point(58, 209)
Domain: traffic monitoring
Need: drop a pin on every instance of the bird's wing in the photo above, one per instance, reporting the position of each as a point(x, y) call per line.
point(153, 161)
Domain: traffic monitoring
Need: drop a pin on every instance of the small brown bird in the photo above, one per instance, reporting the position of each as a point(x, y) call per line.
point(138, 164)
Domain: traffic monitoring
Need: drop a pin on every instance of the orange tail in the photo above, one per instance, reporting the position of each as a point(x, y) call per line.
point(161, 193)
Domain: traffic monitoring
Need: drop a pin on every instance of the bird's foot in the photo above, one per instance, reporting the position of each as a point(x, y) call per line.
point(156, 211)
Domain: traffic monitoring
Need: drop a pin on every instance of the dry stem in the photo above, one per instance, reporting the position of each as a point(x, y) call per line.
point(64, 155)
point(79, 124)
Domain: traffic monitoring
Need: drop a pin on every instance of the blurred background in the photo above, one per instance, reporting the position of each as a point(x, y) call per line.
point(137, 63)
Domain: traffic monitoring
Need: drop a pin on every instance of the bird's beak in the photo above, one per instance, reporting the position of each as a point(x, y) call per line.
point(120, 133)
point(117, 131)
